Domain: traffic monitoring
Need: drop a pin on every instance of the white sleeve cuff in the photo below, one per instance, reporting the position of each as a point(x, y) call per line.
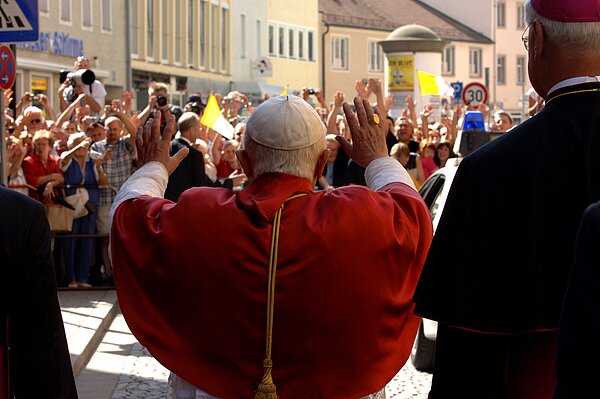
point(386, 170)
point(151, 179)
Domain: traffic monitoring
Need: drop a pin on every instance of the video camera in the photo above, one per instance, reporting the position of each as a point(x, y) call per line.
point(77, 78)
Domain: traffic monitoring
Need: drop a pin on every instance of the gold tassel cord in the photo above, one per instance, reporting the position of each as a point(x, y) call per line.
point(266, 388)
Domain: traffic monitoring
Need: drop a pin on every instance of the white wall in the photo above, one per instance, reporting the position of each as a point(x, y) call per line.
point(253, 10)
point(476, 14)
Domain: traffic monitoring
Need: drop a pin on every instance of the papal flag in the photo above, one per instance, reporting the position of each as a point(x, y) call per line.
point(213, 118)
point(430, 84)
point(284, 91)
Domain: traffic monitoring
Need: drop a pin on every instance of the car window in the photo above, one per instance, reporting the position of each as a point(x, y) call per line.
point(432, 189)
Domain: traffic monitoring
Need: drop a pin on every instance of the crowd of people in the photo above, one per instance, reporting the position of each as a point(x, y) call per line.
point(90, 145)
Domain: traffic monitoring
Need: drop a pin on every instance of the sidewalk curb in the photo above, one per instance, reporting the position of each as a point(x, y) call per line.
point(90, 348)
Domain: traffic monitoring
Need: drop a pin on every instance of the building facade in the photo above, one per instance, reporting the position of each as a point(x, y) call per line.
point(184, 43)
point(69, 29)
point(351, 31)
point(503, 21)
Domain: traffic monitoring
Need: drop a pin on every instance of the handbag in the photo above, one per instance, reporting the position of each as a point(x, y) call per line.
point(79, 201)
point(60, 218)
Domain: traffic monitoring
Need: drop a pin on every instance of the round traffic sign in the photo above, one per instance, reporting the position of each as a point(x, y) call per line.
point(8, 67)
point(474, 93)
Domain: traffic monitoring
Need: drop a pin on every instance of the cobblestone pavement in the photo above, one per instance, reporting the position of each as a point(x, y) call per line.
point(144, 377)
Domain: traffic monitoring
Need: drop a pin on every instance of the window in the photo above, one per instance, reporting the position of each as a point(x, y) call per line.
point(339, 52)
point(311, 46)
point(272, 42)
point(501, 14)
point(86, 14)
point(203, 24)
point(375, 55)
point(179, 25)
point(475, 62)
point(448, 61)
point(191, 38)
point(150, 30)
point(520, 16)
point(301, 41)
point(134, 27)
point(258, 38)
point(521, 69)
point(501, 69)
point(243, 35)
point(65, 11)
point(164, 30)
point(43, 7)
point(106, 15)
point(291, 44)
point(281, 41)
point(224, 39)
point(214, 34)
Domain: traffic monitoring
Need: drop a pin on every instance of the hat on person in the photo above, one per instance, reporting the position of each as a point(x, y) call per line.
point(285, 123)
point(568, 10)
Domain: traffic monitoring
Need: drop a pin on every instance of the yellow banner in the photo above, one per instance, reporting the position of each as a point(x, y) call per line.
point(401, 73)
point(39, 84)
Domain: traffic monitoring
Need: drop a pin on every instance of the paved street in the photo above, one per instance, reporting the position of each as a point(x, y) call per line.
point(119, 367)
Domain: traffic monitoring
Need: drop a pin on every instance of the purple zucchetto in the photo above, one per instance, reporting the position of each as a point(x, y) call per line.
point(568, 10)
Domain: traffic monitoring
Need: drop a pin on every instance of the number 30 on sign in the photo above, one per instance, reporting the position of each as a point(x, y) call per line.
point(474, 93)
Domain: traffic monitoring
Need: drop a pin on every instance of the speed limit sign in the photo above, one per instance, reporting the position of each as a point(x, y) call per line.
point(474, 93)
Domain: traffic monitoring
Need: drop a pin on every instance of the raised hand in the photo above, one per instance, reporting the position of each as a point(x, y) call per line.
point(368, 137)
point(152, 147)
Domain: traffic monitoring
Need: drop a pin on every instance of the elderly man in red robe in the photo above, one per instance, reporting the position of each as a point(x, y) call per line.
point(314, 298)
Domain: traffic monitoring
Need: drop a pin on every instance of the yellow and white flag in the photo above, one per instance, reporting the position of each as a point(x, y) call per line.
point(430, 84)
point(213, 118)
point(284, 91)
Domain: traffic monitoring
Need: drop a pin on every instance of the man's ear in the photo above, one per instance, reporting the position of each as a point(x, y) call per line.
point(537, 40)
point(321, 162)
point(244, 159)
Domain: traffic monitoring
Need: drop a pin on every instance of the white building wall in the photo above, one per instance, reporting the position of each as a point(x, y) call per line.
point(476, 14)
point(247, 43)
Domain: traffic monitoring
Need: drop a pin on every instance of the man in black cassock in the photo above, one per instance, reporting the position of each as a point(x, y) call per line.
point(578, 344)
point(34, 357)
point(497, 270)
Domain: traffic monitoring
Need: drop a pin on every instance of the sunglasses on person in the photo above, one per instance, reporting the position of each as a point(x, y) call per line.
point(35, 121)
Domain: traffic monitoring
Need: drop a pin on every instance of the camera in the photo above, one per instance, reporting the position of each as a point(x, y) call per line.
point(77, 78)
point(311, 91)
point(161, 101)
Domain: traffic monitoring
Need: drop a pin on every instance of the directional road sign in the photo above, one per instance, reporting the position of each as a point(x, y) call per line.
point(8, 67)
point(475, 93)
point(19, 21)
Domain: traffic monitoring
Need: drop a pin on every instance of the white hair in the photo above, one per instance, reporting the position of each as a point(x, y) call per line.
point(112, 119)
point(572, 36)
point(299, 163)
point(75, 138)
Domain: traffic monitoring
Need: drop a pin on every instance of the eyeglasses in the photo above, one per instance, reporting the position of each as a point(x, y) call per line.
point(525, 35)
point(36, 121)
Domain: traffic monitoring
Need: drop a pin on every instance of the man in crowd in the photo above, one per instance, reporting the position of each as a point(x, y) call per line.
point(116, 152)
point(496, 274)
point(502, 122)
point(341, 323)
point(190, 172)
point(70, 89)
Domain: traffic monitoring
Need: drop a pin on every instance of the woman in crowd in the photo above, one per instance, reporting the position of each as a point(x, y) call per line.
point(80, 169)
point(411, 161)
point(41, 169)
point(443, 153)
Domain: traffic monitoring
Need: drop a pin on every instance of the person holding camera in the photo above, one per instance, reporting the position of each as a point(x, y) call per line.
point(159, 100)
point(81, 80)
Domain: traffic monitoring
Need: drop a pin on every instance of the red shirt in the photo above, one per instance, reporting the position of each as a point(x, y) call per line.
point(33, 168)
point(348, 264)
point(224, 170)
